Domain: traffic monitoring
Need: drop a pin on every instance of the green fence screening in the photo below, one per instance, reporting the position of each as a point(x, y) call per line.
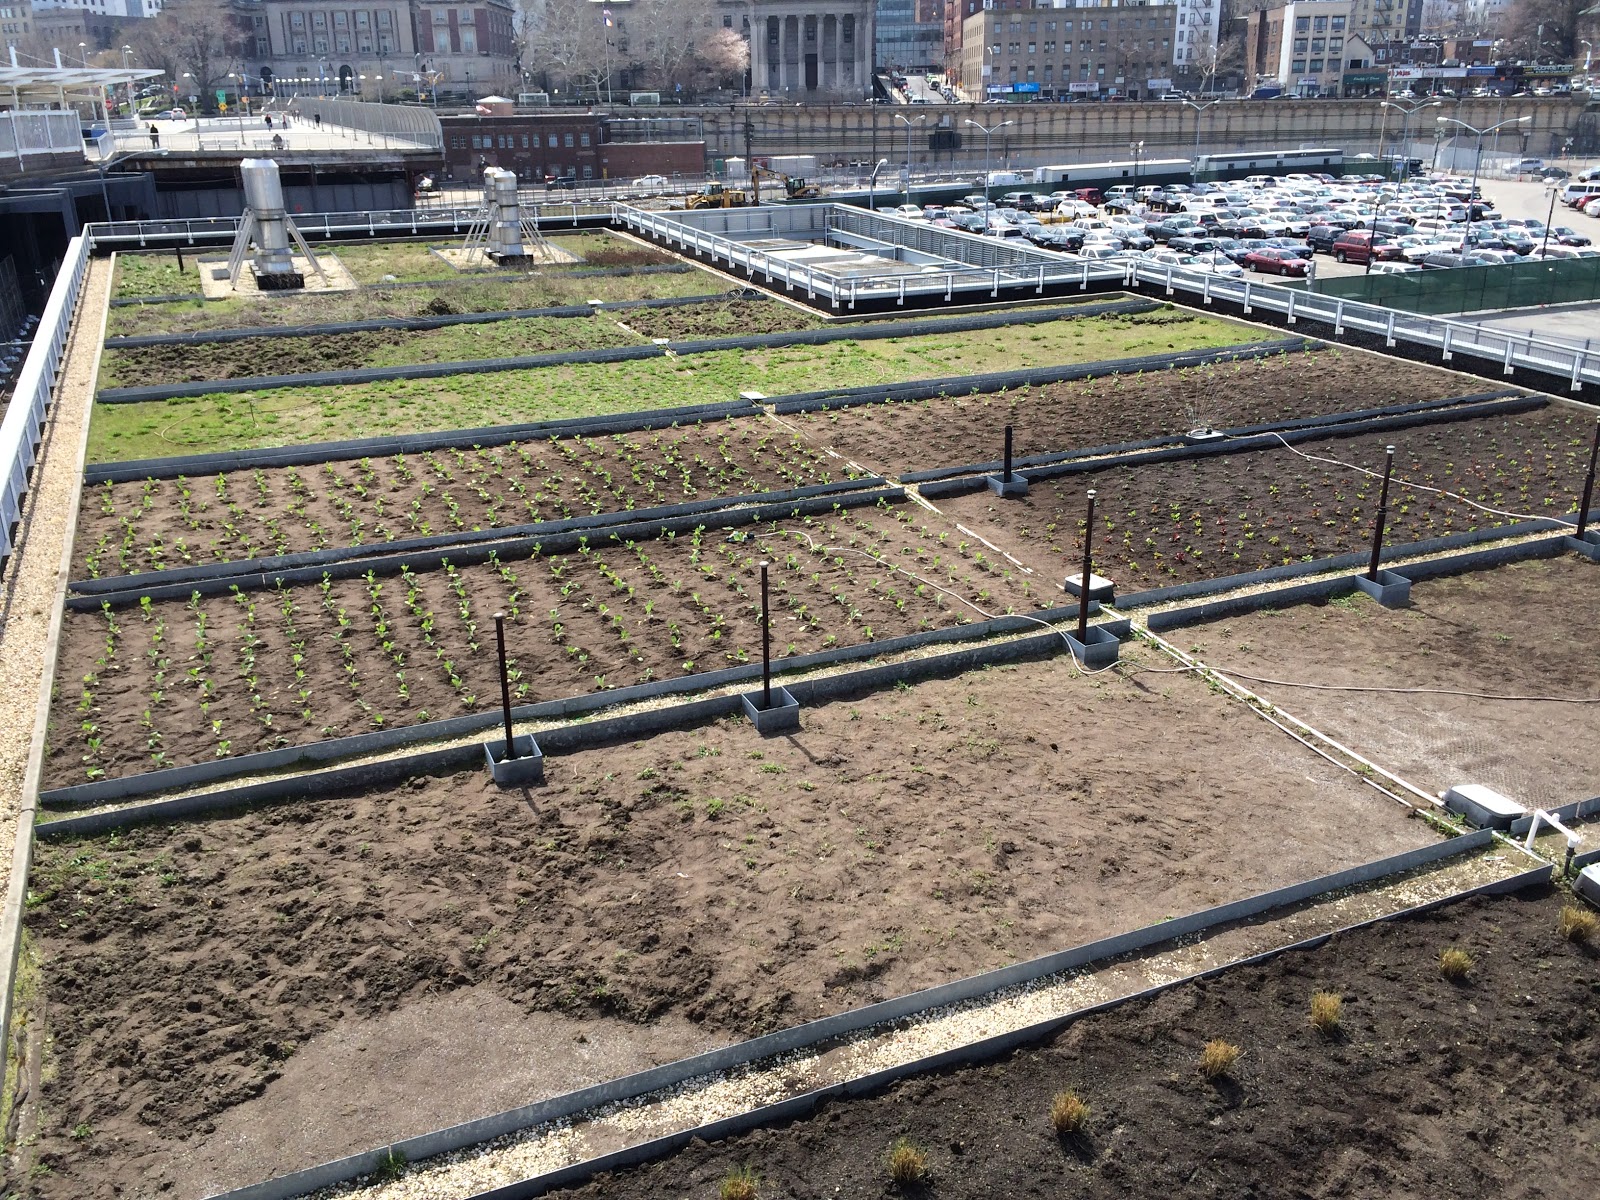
point(1473, 289)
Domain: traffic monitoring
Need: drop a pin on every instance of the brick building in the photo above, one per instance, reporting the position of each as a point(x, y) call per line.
point(574, 145)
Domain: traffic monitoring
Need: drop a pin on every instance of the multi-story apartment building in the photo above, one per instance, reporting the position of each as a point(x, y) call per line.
point(1309, 47)
point(909, 34)
point(1018, 49)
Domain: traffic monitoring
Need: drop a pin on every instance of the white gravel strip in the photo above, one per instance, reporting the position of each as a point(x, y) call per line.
point(704, 1099)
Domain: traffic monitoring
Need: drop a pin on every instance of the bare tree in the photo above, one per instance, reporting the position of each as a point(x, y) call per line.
point(203, 38)
point(564, 42)
point(1543, 29)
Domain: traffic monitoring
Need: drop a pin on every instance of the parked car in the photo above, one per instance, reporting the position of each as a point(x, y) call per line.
point(1567, 236)
point(1270, 260)
point(1322, 237)
point(650, 185)
point(1192, 244)
point(1395, 268)
point(1357, 246)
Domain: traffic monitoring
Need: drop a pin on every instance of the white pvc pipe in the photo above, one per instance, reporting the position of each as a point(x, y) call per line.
point(1539, 814)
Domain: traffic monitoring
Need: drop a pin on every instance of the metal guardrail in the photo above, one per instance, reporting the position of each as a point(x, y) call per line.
point(1510, 349)
point(393, 222)
point(23, 425)
point(998, 266)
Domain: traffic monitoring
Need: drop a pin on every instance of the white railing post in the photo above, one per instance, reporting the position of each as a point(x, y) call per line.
point(1388, 334)
point(994, 289)
point(1449, 332)
point(901, 299)
point(1338, 318)
point(1039, 291)
point(1205, 290)
point(1290, 310)
point(1507, 368)
point(1577, 370)
point(1169, 279)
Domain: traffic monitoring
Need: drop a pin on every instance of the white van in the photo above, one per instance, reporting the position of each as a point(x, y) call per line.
point(1574, 192)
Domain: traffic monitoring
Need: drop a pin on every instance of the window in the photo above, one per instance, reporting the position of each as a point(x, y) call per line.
point(297, 20)
point(341, 20)
point(1300, 45)
point(567, 141)
point(524, 141)
point(588, 171)
point(300, 46)
point(342, 42)
point(1302, 24)
point(554, 141)
point(361, 20)
point(469, 41)
point(1033, 27)
point(1320, 25)
point(1298, 66)
point(319, 20)
point(583, 139)
point(1318, 45)
point(384, 19)
point(1338, 25)
point(320, 43)
point(1033, 47)
point(1049, 47)
point(1335, 45)
point(1316, 65)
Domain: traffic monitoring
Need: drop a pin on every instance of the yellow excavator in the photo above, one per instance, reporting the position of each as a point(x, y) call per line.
point(795, 188)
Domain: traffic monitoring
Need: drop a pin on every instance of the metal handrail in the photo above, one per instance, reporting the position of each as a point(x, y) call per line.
point(23, 425)
point(1511, 349)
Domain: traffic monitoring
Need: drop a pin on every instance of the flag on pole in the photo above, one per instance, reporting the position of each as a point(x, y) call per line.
point(607, 13)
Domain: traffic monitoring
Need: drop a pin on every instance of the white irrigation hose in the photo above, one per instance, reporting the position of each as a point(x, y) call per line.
point(1420, 487)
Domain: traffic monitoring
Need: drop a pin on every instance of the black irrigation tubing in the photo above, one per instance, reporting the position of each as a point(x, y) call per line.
point(618, 354)
point(1318, 422)
point(313, 453)
point(825, 1029)
point(411, 324)
point(966, 385)
point(238, 569)
point(556, 543)
point(1324, 589)
point(331, 750)
point(1249, 445)
point(496, 277)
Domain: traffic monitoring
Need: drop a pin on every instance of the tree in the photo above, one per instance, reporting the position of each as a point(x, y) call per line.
point(564, 43)
point(1543, 30)
point(201, 37)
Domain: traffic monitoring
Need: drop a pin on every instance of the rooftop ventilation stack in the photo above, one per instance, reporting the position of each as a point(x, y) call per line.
point(266, 223)
point(501, 231)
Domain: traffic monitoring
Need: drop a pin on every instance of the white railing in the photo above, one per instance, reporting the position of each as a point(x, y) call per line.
point(1511, 350)
point(23, 425)
point(1027, 267)
point(393, 222)
point(28, 131)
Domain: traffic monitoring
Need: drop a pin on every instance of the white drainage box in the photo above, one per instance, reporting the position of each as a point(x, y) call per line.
point(1483, 806)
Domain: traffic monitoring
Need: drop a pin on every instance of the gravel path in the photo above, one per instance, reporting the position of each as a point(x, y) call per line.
point(37, 571)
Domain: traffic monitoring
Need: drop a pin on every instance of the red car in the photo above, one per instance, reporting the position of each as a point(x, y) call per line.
point(1357, 246)
point(1270, 261)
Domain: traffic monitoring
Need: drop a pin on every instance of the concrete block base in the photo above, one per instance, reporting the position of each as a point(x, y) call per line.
point(1100, 588)
point(782, 717)
point(1100, 650)
point(1587, 884)
point(1008, 488)
point(1588, 545)
point(1483, 806)
point(527, 768)
point(1389, 590)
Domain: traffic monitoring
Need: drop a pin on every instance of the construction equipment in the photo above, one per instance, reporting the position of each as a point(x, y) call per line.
point(716, 195)
point(795, 187)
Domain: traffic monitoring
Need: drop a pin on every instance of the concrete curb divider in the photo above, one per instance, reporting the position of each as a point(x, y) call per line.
point(965, 385)
point(841, 1025)
point(312, 754)
point(410, 324)
point(1247, 445)
point(312, 453)
point(1475, 560)
point(619, 354)
point(597, 522)
point(1329, 422)
point(467, 555)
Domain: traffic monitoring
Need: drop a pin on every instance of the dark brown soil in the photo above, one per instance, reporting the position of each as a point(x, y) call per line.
point(176, 682)
point(1430, 1088)
point(160, 524)
point(148, 365)
point(735, 318)
point(1177, 522)
point(707, 876)
point(1506, 632)
point(958, 430)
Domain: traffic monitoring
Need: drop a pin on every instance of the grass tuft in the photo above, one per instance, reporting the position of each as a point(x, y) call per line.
point(739, 1185)
point(908, 1164)
point(1577, 924)
point(1454, 964)
point(1068, 1113)
point(1218, 1057)
point(1327, 1009)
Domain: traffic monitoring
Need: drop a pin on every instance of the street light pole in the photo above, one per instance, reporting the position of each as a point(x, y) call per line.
point(1135, 149)
point(872, 185)
point(1477, 162)
point(1553, 188)
point(908, 122)
point(1198, 109)
point(988, 156)
point(1405, 126)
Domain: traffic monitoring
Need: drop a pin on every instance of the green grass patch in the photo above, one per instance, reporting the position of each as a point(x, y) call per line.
point(292, 416)
point(154, 275)
point(413, 262)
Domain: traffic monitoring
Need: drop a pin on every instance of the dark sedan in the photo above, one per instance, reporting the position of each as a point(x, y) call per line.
point(1270, 260)
point(1568, 237)
point(1292, 245)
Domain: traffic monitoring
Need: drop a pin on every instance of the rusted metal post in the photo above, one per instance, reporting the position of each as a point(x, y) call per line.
point(1383, 515)
point(766, 645)
point(1588, 481)
point(1006, 477)
point(505, 684)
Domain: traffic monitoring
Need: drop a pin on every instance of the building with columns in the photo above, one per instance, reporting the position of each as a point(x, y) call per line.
point(812, 49)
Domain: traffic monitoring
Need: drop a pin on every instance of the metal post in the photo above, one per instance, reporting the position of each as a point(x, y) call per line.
point(505, 684)
point(1588, 482)
point(1083, 580)
point(766, 645)
point(1383, 515)
point(1007, 476)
